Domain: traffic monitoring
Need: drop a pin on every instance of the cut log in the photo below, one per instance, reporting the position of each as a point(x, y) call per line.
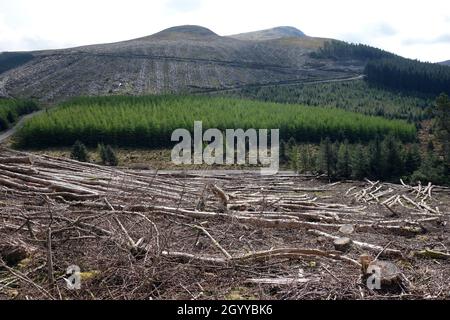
point(277, 281)
point(367, 246)
point(432, 254)
point(15, 160)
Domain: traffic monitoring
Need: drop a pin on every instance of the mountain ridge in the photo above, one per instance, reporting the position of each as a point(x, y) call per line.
point(270, 34)
point(181, 59)
point(184, 31)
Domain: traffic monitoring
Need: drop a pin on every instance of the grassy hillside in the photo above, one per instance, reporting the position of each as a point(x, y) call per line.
point(149, 121)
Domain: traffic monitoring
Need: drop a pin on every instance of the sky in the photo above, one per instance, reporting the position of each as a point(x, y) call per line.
point(413, 29)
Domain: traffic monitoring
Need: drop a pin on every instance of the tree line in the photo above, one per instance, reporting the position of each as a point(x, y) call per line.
point(390, 70)
point(340, 50)
point(382, 159)
point(11, 110)
point(409, 75)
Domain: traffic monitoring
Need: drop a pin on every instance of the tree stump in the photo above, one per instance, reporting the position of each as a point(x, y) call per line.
point(346, 229)
point(342, 244)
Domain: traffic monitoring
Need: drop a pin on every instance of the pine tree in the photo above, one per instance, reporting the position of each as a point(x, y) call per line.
point(343, 166)
point(432, 170)
point(392, 159)
point(443, 127)
point(412, 160)
point(305, 158)
point(442, 113)
point(102, 152)
point(111, 156)
point(283, 152)
point(12, 116)
point(312, 159)
point(79, 152)
point(375, 158)
point(107, 155)
point(359, 163)
point(294, 159)
point(327, 158)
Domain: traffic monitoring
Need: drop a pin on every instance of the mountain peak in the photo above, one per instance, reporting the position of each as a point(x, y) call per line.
point(270, 34)
point(185, 31)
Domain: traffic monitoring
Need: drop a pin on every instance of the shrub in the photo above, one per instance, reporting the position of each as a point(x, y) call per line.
point(79, 152)
point(107, 155)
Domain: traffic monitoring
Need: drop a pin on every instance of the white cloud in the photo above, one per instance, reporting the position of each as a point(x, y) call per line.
point(28, 24)
point(183, 5)
point(444, 39)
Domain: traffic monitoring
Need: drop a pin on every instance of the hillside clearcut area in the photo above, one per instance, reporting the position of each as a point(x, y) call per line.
point(147, 235)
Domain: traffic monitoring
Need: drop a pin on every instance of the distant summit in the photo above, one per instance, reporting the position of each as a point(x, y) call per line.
point(185, 32)
point(270, 34)
point(446, 63)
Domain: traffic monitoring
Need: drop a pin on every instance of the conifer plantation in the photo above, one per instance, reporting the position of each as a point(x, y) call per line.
point(11, 110)
point(356, 96)
point(150, 120)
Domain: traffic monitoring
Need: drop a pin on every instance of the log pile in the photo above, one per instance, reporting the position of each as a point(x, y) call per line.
point(416, 199)
point(238, 225)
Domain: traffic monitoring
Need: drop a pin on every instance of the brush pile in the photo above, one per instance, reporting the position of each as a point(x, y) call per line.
point(173, 235)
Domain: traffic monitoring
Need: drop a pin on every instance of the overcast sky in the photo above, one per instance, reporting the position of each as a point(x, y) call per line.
point(414, 29)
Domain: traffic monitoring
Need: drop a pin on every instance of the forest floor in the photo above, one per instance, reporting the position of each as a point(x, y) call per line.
point(137, 234)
